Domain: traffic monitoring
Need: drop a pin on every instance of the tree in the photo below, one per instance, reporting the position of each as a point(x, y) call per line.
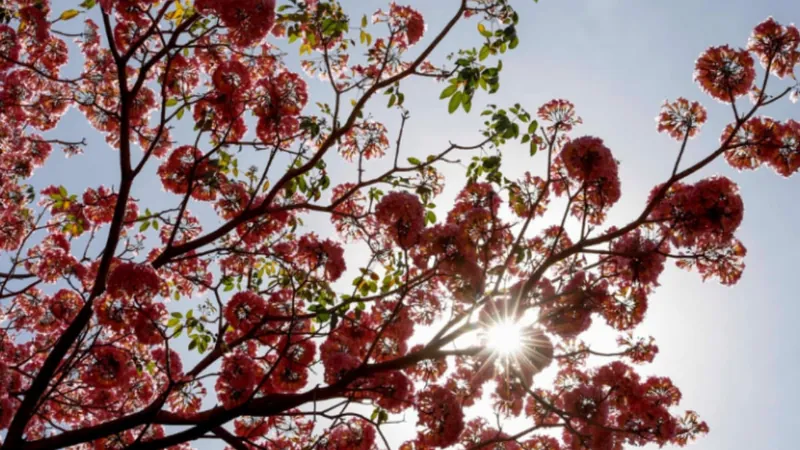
point(288, 348)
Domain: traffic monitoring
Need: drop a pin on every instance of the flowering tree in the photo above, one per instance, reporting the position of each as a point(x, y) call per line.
point(127, 324)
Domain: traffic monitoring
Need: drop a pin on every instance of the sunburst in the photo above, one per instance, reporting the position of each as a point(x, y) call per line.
point(506, 338)
point(513, 342)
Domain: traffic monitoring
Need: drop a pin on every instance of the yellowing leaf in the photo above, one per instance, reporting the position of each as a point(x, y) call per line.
point(176, 15)
point(69, 14)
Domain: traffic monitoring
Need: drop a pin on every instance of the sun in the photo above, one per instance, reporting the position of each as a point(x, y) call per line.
point(511, 342)
point(505, 338)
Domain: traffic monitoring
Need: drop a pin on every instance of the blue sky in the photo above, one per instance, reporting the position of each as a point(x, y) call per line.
point(731, 350)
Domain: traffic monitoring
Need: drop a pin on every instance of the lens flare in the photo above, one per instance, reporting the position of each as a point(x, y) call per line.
point(505, 338)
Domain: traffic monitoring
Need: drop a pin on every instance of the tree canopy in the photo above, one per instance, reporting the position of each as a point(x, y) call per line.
point(224, 308)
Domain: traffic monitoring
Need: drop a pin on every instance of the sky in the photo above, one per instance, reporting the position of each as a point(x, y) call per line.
point(732, 351)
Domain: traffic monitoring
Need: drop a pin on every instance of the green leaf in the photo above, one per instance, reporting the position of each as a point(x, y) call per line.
point(455, 101)
point(414, 161)
point(491, 163)
point(145, 225)
point(291, 187)
point(534, 147)
point(484, 52)
point(448, 91)
point(430, 217)
point(171, 102)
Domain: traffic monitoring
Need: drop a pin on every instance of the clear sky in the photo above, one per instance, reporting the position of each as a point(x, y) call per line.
point(732, 351)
